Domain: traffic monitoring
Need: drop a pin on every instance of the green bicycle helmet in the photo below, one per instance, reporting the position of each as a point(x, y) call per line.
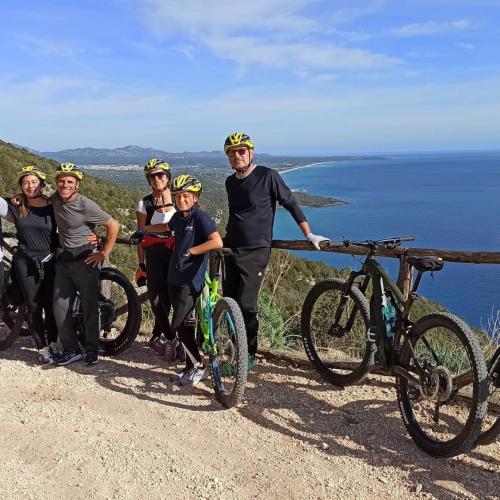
point(69, 169)
point(31, 170)
point(238, 139)
point(156, 164)
point(186, 183)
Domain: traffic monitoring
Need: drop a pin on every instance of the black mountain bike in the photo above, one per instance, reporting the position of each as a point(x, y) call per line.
point(119, 309)
point(346, 336)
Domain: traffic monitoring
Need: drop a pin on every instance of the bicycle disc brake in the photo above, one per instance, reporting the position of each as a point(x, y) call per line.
point(107, 312)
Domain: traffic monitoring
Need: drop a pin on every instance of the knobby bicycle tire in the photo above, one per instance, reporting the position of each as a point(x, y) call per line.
point(491, 434)
point(410, 404)
point(346, 370)
point(125, 302)
point(11, 323)
point(230, 365)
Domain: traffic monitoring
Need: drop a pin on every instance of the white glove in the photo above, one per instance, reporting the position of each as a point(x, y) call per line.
point(316, 239)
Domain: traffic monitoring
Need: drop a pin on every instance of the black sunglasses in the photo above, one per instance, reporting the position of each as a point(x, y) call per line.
point(158, 175)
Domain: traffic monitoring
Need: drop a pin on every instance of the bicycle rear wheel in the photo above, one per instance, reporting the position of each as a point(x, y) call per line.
point(444, 412)
point(491, 426)
point(119, 312)
point(229, 366)
point(340, 352)
point(11, 323)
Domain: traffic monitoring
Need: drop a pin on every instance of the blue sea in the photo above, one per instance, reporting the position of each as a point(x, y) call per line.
point(445, 200)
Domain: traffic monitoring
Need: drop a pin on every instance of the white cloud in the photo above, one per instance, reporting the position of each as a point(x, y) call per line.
point(317, 118)
point(431, 28)
point(273, 33)
point(294, 54)
point(201, 17)
point(467, 46)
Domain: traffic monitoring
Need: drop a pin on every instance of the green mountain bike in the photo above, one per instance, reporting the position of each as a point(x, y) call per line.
point(222, 335)
point(441, 375)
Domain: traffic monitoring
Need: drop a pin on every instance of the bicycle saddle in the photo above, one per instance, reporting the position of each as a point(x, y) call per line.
point(426, 263)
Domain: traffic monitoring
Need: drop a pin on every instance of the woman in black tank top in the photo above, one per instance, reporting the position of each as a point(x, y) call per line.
point(34, 260)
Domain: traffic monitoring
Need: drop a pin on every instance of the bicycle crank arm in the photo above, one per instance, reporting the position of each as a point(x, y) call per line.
point(402, 372)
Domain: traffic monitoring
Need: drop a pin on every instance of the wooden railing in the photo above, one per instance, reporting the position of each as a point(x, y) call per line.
point(405, 277)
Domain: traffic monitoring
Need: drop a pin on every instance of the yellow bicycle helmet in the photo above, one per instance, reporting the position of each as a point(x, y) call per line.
point(69, 169)
point(237, 139)
point(156, 164)
point(31, 170)
point(186, 183)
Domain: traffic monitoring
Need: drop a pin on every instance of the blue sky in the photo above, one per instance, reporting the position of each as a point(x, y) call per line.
point(300, 76)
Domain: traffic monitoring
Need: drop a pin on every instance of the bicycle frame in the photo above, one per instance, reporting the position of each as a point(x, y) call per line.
point(205, 306)
point(381, 281)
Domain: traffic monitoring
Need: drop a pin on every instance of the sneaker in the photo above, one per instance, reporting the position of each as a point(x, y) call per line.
point(173, 350)
point(55, 349)
point(159, 348)
point(68, 357)
point(194, 375)
point(153, 341)
point(45, 356)
point(91, 358)
point(250, 363)
point(179, 376)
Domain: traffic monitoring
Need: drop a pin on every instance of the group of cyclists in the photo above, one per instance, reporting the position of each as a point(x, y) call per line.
point(58, 255)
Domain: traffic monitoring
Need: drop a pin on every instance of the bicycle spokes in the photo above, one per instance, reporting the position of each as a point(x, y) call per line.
point(440, 406)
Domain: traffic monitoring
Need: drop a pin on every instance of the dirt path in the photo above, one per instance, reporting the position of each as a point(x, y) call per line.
point(121, 430)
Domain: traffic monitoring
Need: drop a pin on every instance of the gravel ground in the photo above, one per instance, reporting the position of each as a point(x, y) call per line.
point(122, 430)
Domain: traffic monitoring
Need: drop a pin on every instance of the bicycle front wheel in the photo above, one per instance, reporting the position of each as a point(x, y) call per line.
point(338, 349)
point(444, 411)
point(491, 426)
point(228, 366)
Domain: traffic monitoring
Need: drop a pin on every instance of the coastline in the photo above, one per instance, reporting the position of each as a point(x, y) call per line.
point(309, 165)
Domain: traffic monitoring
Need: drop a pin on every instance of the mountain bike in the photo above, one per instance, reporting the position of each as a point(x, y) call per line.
point(119, 309)
point(491, 430)
point(491, 425)
point(222, 335)
point(346, 336)
point(219, 330)
point(12, 309)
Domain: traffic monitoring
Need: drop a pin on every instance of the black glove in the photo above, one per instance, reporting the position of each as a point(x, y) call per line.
point(182, 260)
point(137, 237)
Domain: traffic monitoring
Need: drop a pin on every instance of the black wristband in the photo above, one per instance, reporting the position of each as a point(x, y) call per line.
point(142, 266)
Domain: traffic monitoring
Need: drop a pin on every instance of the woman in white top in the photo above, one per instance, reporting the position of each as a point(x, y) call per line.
point(154, 254)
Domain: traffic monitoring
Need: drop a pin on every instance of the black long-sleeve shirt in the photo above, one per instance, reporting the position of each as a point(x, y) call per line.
point(252, 205)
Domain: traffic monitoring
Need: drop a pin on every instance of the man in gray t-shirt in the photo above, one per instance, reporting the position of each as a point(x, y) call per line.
point(76, 265)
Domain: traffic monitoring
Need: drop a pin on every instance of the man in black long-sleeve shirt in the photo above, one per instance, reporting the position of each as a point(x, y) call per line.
point(253, 192)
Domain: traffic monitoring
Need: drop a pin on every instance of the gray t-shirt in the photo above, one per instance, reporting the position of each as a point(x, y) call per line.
point(3, 212)
point(76, 219)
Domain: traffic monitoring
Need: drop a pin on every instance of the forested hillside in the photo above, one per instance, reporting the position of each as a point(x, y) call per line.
point(286, 283)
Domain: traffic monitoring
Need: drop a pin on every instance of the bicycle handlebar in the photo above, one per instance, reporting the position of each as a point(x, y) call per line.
point(388, 243)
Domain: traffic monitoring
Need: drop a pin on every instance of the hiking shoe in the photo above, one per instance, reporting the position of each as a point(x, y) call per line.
point(54, 349)
point(159, 348)
point(153, 341)
point(173, 350)
point(194, 375)
point(250, 363)
point(68, 357)
point(91, 358)
point(45, 356)
point(178, 377)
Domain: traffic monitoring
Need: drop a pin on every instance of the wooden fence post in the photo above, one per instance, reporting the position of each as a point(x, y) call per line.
point(405, 276)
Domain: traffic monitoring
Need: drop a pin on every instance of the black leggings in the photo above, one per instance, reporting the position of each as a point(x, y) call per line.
point(37, 294)
point(157, 260)
point(183, 299)
point(244, 272)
